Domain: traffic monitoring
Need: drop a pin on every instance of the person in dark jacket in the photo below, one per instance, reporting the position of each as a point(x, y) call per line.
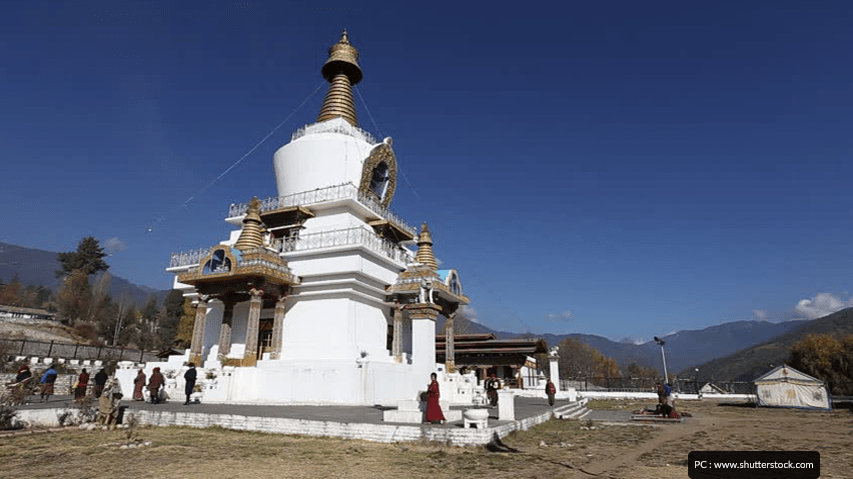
point(100, 380)
point(47, 381)
point(189, 376)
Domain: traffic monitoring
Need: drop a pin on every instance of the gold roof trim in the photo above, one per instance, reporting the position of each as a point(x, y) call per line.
point(342, 71)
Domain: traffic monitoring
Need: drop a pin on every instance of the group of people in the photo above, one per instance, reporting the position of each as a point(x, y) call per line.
point(83, 383)
point(156, 382)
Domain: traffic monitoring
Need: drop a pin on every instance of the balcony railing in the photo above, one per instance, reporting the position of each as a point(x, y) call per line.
point(331, 193)
point(305, 242)
point(188, 258)
point(345, 237)
point(333, 126)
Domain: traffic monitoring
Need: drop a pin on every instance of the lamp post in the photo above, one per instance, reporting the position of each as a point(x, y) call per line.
point(696, 380)
point(661, 342)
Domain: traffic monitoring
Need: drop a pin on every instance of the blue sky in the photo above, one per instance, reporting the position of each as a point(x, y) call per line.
point(624, 169)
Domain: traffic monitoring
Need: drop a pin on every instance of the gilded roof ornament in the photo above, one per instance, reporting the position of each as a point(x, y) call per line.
point(425, 254)
point(342, 71)
point(252, 235)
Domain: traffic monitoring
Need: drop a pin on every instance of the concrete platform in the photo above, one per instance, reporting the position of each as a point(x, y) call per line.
point(351, 422)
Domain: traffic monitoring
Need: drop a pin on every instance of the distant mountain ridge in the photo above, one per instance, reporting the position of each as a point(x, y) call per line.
point(684, 349)
point(749, 363)
point(35, 266)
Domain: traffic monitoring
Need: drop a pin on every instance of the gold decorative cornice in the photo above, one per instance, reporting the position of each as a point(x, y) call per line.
point(252, 235)
point(241, 272)
point(342, 71)
point(425, 254)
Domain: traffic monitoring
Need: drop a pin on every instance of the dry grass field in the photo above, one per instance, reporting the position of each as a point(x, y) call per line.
point(552, 450)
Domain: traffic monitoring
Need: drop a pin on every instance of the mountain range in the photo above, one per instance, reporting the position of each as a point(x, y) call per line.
point(38, 267)
point(684, 349)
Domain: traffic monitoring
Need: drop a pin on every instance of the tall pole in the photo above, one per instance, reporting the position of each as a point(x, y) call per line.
point(661, 342)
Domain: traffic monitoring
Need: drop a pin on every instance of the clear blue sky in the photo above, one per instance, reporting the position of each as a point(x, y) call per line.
point(623, 169)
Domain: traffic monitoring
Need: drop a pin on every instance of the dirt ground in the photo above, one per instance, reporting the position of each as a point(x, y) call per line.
point(555, 449)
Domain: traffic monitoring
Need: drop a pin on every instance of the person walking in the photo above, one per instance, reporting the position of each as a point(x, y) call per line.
point(189, 377)
point(434, 413)
point(154, 385)
point(47, 381)
point(100, 381)
point(551, 391)
point(139, 385)
point(82, 384)
point(492, 386)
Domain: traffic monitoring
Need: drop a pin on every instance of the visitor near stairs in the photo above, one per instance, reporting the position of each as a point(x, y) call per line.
point(434, 413)
point(47, 381)
point(492, 386)
point(551, 391)
point(189, 376)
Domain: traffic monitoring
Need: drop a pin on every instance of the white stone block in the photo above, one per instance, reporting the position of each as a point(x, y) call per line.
point(506, 405)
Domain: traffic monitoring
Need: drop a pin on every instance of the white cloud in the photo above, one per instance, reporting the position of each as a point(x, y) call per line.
point(565, 316)
point(114, 245)
point(759, 315)
point(469, 313)
point(821, 305)
point(635, 341)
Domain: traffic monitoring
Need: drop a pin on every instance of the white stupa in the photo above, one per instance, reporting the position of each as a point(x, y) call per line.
point(317, 298)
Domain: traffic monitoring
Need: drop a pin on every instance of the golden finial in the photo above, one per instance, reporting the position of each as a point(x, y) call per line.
point(342, 71)
point(252, 235)
point(425, 254)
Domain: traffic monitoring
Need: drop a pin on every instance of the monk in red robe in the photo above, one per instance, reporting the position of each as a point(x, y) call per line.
point(82, 383)
point(433, 409)
point(154, 384)
point(138, 386)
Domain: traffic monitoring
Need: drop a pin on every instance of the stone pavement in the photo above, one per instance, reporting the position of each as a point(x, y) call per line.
point(524, 408)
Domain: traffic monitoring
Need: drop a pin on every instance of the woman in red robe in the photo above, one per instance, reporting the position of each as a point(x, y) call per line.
point(82, 383)
point(154, 384)
point(433, 409)
point(138, 386)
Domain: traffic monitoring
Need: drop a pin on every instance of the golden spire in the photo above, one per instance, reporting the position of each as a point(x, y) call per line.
point(425, 254)
point(252, 235)
point(342, 71)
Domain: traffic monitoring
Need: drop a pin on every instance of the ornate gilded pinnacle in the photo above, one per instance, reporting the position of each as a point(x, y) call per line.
point(425, 254)
point(342, 71)
point(252, 235)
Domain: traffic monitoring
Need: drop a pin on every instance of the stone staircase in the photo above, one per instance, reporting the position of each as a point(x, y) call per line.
point(575, 410)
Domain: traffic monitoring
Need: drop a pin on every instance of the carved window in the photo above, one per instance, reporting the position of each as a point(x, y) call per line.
point(218, 263)
point(379, 180)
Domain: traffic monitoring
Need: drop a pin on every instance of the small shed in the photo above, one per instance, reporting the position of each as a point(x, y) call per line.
point(784, 386)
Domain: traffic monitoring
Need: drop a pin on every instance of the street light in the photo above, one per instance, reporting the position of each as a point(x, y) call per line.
point(661, 342)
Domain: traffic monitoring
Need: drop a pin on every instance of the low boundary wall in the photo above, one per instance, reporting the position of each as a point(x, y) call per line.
point(387, 433)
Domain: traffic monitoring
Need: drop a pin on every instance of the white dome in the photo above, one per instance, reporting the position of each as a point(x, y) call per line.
point(321, 155)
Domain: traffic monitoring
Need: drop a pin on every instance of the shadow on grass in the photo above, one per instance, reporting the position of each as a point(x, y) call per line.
point(498, 446)
point(737, 404)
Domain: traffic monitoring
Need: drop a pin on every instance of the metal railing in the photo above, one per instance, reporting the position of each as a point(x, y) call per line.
point(345, 237)
point(188, 258)
point(686, 386)
point(56, 349)
point(322, 195)
point(342, 127)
